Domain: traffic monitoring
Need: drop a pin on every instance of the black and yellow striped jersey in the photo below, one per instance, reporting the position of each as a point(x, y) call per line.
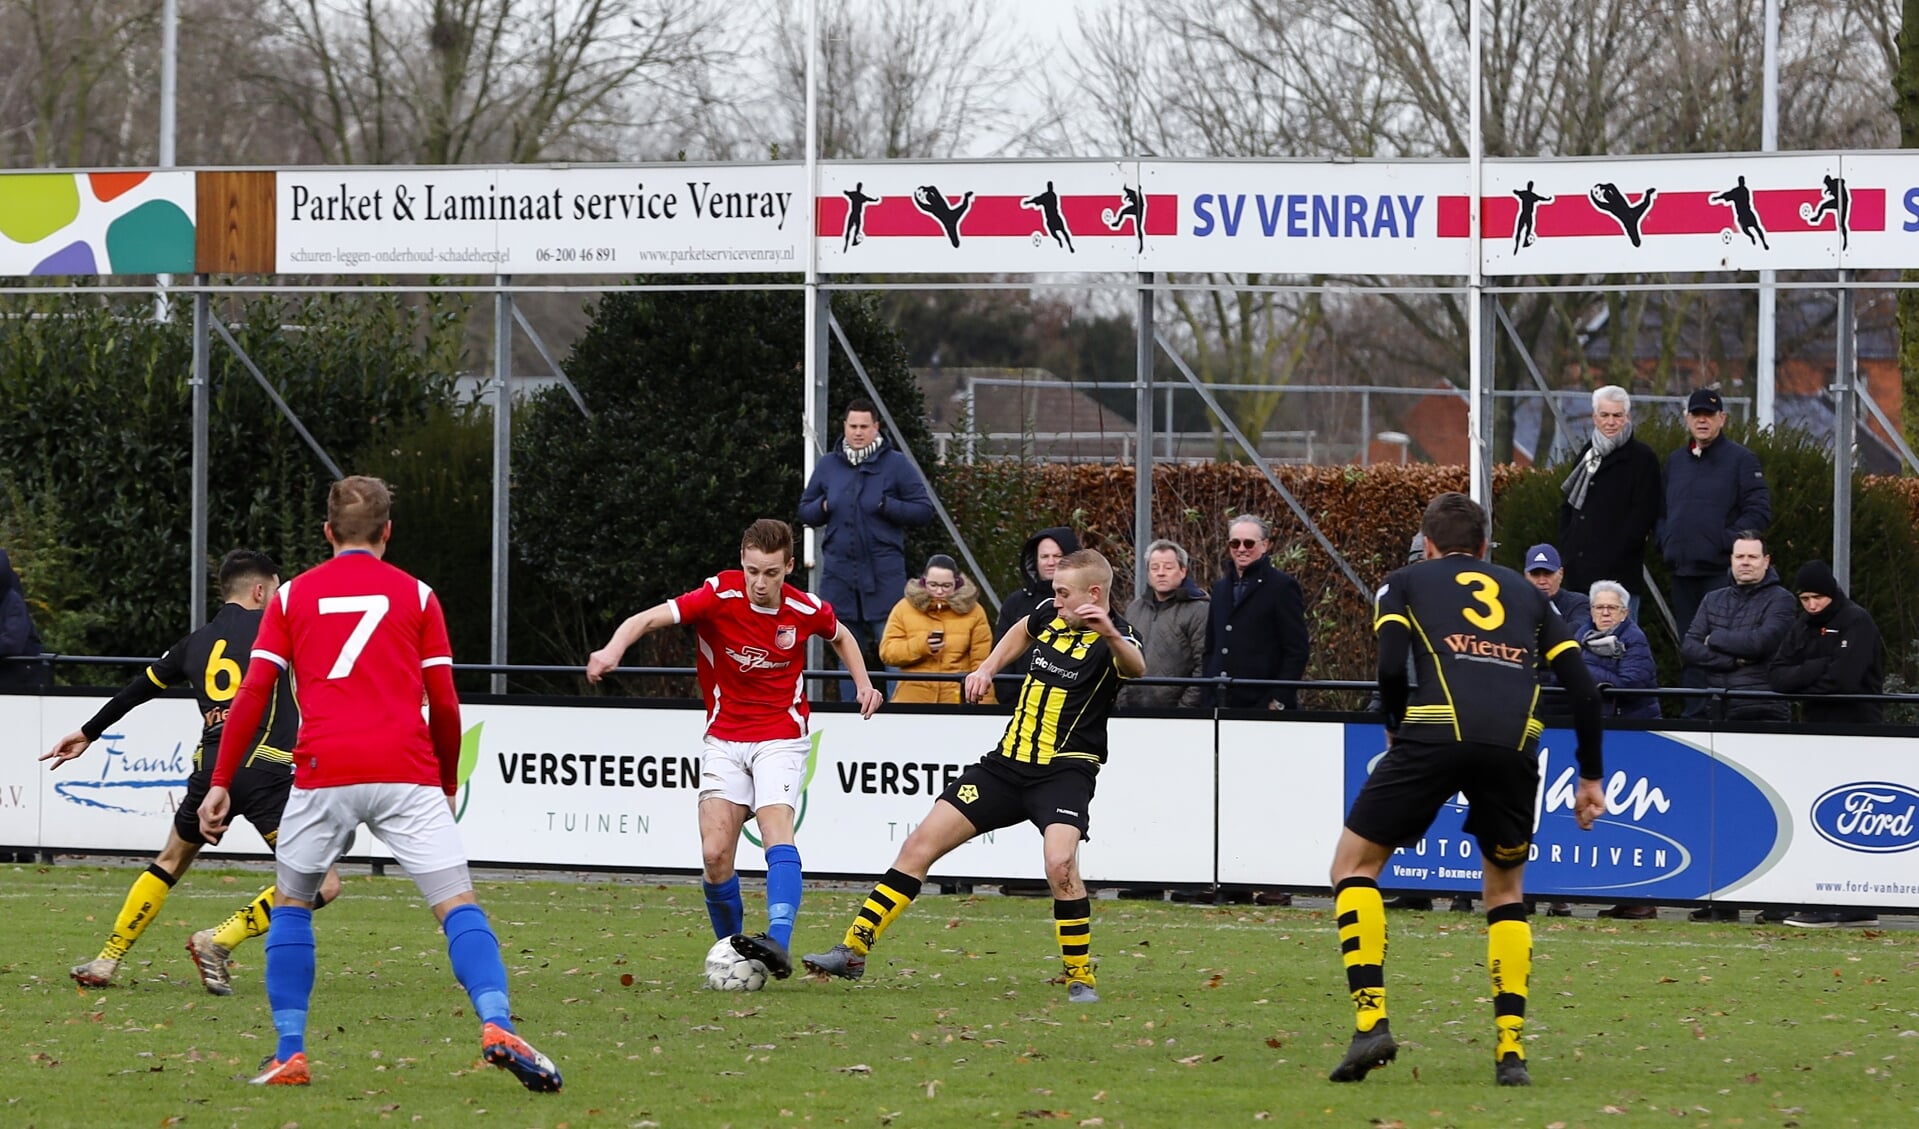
point(1059, 719)
point(1479, 634)
point(212, 661)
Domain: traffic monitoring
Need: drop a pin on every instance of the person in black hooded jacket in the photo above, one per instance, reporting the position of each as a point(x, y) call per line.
point(1037, 560)
point(1832, 648)
point(17, 636)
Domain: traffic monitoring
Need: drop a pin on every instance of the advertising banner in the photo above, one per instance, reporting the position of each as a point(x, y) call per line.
point(1665, 796)
point(20, 774)
point(1872, 209)
point(620, 788)
point(123, 793)
point(522, 219)
point(1851, 830)
point(1297, 217)
point(1279, 801)
point(1625, 215)
point(96, 223)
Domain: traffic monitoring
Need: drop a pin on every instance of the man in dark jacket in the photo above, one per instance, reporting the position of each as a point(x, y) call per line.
point(1714, 489)
point(866, 495)
point(1171, 618)
point(1738, 630)
point(1832, 648)
point(17, 636)
point(1612, 501)
point(1547, 574)
point(1037, 560)
point(1259, 621)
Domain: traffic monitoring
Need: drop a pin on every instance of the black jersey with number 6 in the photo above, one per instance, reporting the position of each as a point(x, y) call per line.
point(1480, 632)
point(212, 661)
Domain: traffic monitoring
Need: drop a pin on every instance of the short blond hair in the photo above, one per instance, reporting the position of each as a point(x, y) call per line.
point(356, 507)
point(1088, 560)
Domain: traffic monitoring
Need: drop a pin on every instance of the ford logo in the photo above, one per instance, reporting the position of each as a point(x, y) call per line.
point(1875, 817)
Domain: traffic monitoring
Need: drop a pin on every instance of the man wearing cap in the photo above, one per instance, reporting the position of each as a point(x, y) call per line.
point(1544, 569)
point(1714, 489)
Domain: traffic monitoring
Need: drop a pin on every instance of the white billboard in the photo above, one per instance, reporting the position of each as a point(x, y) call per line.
point(1619, 215)
point(523, 219)
point(1745, 817)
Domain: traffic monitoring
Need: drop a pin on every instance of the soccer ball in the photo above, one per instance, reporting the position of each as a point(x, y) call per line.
point(728, 971)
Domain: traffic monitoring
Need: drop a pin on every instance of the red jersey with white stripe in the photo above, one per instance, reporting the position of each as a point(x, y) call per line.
point(356, 633)
point(751, 657)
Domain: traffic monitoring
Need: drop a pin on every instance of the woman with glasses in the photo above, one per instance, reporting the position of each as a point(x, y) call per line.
point(937, 627)
point(1617, 653)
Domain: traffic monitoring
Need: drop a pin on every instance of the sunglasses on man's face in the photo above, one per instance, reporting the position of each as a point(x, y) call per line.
point(1242, 543)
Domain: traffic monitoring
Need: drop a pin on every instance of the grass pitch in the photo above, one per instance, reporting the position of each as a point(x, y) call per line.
point(1208, 1017)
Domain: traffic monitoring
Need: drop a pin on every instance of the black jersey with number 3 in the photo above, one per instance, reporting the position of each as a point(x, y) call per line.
point(1480, 632)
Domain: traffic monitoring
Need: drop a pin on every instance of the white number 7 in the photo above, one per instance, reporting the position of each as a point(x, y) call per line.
point(371, 609)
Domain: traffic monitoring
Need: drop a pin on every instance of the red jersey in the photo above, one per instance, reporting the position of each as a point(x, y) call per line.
point(751, 657)
point(357, 635)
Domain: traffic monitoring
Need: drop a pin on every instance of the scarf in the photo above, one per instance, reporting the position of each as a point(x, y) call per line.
point(1581, 478)
point(856, 457)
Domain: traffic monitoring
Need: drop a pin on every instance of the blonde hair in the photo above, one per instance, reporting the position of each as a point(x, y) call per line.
point(356, 508)
point(1088, 560)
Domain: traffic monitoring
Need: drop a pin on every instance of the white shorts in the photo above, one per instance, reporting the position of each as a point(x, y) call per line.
point(413, 820)
point(755, 774)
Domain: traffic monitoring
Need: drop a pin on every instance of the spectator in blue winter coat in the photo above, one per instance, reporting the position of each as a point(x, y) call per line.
point(865, 495)
point(1618, 654)
point(1714, 489)
point(17, 636)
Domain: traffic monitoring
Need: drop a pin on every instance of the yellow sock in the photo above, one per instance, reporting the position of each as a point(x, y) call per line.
point(1509, 957)
point(1073, 924)
point(248, 921)
point(1362, 945)
point(143, 904)
point(890, 897)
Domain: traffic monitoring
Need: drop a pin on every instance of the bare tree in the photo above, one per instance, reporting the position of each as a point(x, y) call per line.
point(1388, 78)
point(466, 81)
point(898, 78)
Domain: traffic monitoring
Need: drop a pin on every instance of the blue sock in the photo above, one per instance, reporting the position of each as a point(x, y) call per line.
point(289, 976)
point(782, 891)
point(475, 954)
point(724, 907)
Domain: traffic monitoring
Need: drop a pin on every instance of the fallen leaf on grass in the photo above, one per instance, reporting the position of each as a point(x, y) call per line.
point(1192, 1060)
point(932, 1087)
point(856, 1068)
point(1093, 1121)
point(1275, 1042)
point(626, 979)
point(1045, 1114)
point(1610, 1109)
point(1379, 1124)
point(1215, 980)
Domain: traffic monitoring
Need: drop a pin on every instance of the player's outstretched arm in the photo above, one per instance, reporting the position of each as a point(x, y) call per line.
point(1014, 642)
point(848, 649)
point(628, 633)
point(145, 688)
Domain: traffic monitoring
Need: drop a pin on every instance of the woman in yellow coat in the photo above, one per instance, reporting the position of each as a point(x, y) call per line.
point(938, 627)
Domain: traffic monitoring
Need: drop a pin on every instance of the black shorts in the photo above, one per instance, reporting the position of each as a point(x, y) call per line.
point(259, 796)
point(991, 797)
point(1412, 781)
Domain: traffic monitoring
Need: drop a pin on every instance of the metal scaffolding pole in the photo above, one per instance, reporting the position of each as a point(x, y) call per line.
point(1143, 459)
point(1845, 414)
point(201, 384)
point(502, 470)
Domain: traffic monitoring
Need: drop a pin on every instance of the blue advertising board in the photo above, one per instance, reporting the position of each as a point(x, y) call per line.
point(1680, 824)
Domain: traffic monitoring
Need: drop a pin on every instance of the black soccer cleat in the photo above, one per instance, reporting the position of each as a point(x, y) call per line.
point(1369, 1051)
point(767, 951)
point(1510, 1070)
